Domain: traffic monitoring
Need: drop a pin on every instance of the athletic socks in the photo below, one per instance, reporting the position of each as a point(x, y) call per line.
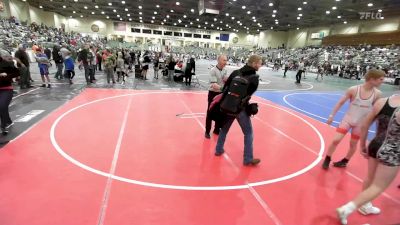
point(344, 211)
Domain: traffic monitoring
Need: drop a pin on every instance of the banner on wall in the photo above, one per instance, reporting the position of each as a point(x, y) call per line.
point(319, 35)
point(119, 26)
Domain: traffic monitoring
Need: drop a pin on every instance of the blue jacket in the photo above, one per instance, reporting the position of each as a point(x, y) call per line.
point(69, 64)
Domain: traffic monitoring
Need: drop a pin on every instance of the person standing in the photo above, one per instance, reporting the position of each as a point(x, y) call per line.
point(23, 57)
point(383, 154)
point(361, 97)
point(109, 64)
point(43, 63)
point(286, 67)
point(299, 72)
point(218, 76)
point(58, 59)
point(7, 72)
point(248, 72)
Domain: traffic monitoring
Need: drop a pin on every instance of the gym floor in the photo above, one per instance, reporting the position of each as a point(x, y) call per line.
point(136, 154)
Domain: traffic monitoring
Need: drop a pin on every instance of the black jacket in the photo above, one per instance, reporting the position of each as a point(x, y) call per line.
point(245, 71)
point(10, 70)
point(57, 55)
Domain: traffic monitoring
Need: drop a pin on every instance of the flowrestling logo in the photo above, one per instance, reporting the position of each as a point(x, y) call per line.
point(371, 15)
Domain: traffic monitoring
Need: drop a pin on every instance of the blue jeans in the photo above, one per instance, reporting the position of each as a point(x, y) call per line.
point(247, 129)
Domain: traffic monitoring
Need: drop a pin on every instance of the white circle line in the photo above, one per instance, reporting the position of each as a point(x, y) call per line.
point(178, 187)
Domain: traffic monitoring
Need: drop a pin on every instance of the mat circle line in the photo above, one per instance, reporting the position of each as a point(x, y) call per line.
point(180, 187)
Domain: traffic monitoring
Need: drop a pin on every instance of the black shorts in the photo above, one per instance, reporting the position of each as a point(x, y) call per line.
point(373, 148)
point(145, 67)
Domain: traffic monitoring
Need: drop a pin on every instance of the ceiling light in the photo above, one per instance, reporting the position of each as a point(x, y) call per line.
point(298, 18)
point(248, 12)
point(339, 17)
point(334, 8)
point(41, 7)
point(198, 26)
point(128, 15)
point(273, 15)
point(274, 11)
point(271, 4)
point(379, 10)
point(191, 23)
point(299, 9)
point(177, 3)
point(92, 13)
point(141, 21)
point(179, 21)
point(126, 9)
point(158, 6)
point(304, 3)
point(338, 0)
point(232, 17)
point(64, 6)
point(75, 0)
point(110, 4)
point(184, 16)
point(140, 18)
point(382, 18)
point(288, 25)
point(185, 25)
point(215, 19)
point(152, 21)
point(192, 10)
point(82, 16)
point(172, 10)
point(120, 18)
point(102, 12)
point(162, 23)
point(197, 19)
point(155, 13)
point(276, 22)
point(130, 19)
point(73, 11)
point(328, 12)
point(165, 20)
point(118, 15)
point(300, 14)
point(244, 7)
point(254, 21)
point(123, 2)
point(272, 28)
point(220, 21)
point(370, 4)
point(140, 7)
point(96, 6)
point(167, 16)
point(114, 10)
point(153, 18)
point(85, 7)
point(106, 17)
point(297, 28)
point(345, 22)
point(140, 13)
point(212, 25)
point(226, 14)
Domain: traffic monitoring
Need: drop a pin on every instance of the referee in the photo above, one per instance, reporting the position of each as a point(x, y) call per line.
point(218, 76)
